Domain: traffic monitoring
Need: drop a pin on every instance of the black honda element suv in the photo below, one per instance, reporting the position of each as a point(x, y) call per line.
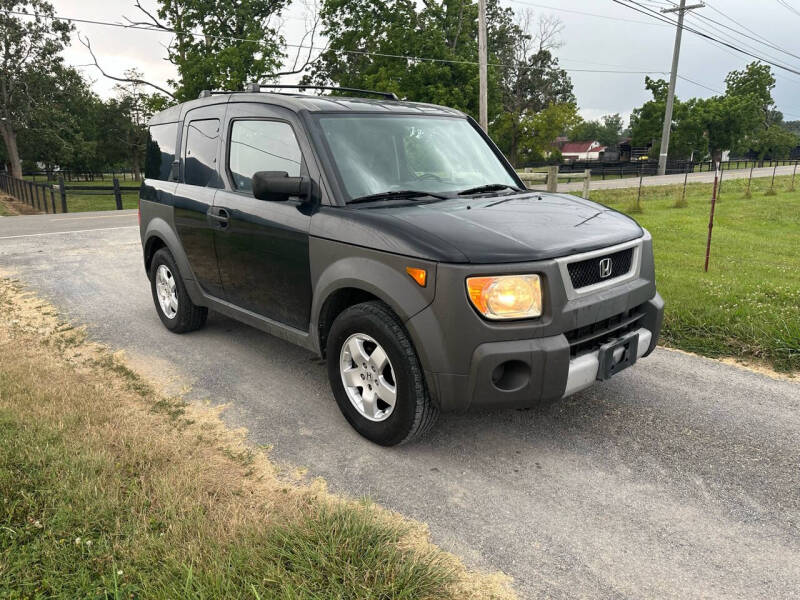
point(395, 240)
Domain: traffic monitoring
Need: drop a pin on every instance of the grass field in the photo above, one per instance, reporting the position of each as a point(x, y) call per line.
point(110, 491)
point(748, 304)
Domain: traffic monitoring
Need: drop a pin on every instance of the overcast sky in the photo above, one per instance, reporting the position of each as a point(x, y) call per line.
point(599, 35)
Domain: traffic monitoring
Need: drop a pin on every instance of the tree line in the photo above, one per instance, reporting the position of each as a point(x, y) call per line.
point(423, 51)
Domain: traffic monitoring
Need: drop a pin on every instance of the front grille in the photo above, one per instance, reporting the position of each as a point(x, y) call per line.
point(590, 337)
point(589, 272)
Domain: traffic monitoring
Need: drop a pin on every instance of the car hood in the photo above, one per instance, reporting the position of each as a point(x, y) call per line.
point(521, 227)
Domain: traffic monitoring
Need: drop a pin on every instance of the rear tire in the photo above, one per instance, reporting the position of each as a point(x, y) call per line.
point(386, 400)
point(174, 307)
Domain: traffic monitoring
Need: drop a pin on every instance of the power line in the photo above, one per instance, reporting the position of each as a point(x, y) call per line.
point(647, 11)
point(584, 13)
point(746, 48)
point(789, 7)
point(758, 37)
point(710, 89)
point(712, 28)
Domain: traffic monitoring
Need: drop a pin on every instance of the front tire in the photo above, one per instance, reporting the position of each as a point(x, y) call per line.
point(376, 377)
point(174, 307)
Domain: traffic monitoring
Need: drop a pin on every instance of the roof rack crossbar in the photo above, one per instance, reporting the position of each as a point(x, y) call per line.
point(256, 87)
point(209, 93)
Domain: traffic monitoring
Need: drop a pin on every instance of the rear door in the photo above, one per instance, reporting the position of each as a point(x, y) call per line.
point(263, 246)
point(194, 195)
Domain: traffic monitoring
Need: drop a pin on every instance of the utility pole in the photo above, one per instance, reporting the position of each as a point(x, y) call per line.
point(681, 10)
point(483, 98)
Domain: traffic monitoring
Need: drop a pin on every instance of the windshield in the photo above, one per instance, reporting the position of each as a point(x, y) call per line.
point(378, 154)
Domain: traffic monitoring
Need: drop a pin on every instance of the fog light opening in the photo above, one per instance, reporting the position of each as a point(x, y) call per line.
point(511, 375)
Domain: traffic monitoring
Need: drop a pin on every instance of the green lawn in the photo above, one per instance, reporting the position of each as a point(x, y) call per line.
point(748, 304)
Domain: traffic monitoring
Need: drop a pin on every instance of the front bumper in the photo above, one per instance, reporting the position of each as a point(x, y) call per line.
point(523, 373)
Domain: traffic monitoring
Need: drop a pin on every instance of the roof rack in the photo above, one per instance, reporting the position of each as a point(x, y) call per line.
point(209, 93)
point(257, 87)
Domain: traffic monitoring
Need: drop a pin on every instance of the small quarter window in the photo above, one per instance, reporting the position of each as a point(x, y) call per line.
point(160, 151)
point(262, 146)
point(201, 153)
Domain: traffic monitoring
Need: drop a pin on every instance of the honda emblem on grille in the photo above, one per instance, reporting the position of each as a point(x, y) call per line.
point(606, 266)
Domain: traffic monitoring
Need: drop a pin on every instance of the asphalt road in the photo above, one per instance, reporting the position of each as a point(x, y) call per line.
point(704, 177)
point(678, 478)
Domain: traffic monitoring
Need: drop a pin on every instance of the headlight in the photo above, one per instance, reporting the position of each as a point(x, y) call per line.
point(507, 296)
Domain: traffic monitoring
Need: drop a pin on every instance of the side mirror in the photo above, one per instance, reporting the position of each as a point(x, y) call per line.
point(175, 170)
point(277, 186)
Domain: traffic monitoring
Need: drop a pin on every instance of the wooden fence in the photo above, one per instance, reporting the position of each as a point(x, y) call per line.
point(551, 176)
point(86, 176)
point(42, 196)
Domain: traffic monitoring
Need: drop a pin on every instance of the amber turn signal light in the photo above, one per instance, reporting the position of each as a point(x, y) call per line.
point(418, 275)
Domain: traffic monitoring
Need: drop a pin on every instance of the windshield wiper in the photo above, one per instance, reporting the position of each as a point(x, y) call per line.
point(396, 195)
point(489, 187)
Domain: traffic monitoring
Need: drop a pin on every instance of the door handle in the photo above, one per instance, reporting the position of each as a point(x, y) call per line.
point(219, 215)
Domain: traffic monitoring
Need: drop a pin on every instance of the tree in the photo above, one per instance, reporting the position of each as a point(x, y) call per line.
point(376, 44)
point(724, 121)
point(29, 50)
point(647, 120)
point(219, 44)
point(606, 130)
point(531, 80)
point(775, 142)
point(136, 107)
point(62, 130)
point(540, 130)
point(791, 126)
point(368, 39)
point(709, 126)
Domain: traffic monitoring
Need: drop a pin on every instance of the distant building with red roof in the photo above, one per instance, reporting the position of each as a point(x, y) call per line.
point(590, 150)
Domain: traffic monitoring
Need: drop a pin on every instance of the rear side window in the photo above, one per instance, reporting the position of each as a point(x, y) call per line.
point(160, 151)
point(200, 165)
point(262, 146)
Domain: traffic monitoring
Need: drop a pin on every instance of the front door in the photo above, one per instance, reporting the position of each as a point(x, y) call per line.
point(194, 195)
point(262, 246)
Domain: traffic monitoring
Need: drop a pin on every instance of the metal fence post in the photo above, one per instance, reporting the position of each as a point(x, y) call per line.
point(771, 191)
point(117, 194)
point(587, 180)
point(63, 191)
point(552, 179)
point(52, 198)
point(711, 219)
point(638, 205)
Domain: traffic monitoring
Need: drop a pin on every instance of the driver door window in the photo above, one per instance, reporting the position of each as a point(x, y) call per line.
point(262, 146)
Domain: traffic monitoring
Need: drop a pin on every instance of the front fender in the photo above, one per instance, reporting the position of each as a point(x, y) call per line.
point(336, 266)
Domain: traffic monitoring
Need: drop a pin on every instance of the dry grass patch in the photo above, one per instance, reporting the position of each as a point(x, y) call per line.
point(108, 489)
point(10, 206)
